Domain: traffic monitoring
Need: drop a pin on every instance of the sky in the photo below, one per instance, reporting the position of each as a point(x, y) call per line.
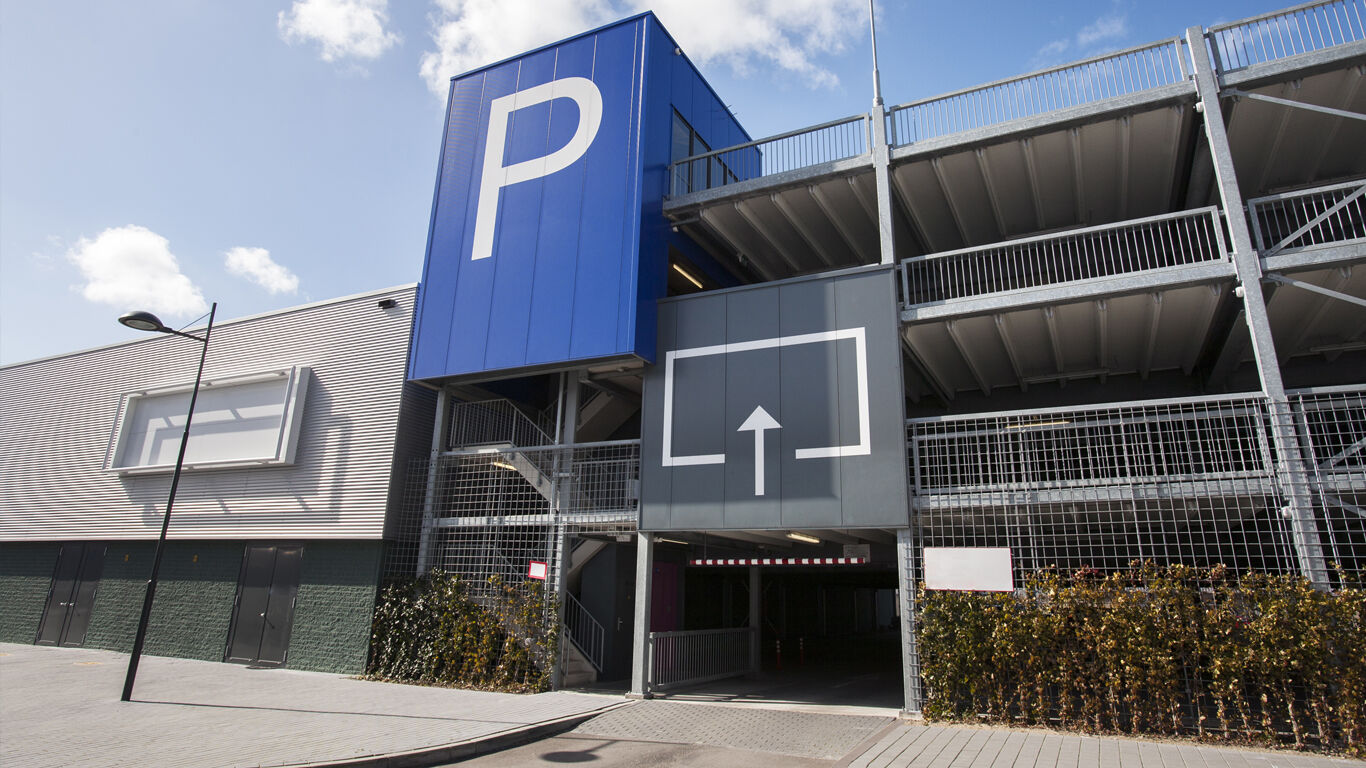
point(263, 154)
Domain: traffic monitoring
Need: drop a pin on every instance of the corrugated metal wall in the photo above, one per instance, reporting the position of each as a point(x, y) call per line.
point(57, 416)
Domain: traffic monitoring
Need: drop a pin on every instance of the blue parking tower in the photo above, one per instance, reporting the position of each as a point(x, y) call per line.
point(548, 247)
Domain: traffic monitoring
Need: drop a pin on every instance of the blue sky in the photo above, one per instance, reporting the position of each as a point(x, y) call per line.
point(263, 154)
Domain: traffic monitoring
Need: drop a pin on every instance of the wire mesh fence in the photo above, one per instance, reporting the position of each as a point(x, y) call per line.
point(1198, 482)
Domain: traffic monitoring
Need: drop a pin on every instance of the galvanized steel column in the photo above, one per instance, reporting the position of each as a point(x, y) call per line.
point(910, 652)
point(1247, 263)
point(640, 653)
point(882, 156)
point(429, 498)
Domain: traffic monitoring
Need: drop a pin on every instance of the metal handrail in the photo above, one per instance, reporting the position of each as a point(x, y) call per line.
point(1332, 214)
point(690, 657)
point(1120, 73)
point(742, 162)
point(585, 631)
point(1288, 32)
point(1126, 247)
point(499, 420)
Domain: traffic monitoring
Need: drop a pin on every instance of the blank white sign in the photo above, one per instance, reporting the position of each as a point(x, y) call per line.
point(969, 569)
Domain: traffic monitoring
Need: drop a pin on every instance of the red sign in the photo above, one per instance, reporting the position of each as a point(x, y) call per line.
point(536, 570)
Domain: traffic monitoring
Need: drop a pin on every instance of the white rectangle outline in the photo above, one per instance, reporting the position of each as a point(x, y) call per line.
point(863, 448)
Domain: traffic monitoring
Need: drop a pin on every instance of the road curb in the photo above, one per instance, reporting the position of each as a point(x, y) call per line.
point(463, 750)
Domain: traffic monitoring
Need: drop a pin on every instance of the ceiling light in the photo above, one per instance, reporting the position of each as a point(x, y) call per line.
point(684, 273)
point(663, 540)
point(803, 537)
point(1033, 424)
point(501, 464)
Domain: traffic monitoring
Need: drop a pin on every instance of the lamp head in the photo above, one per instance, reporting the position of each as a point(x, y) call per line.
point(142, 321)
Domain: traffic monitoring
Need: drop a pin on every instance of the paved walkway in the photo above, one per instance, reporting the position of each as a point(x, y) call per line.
point(938, 746)
point(60, 707)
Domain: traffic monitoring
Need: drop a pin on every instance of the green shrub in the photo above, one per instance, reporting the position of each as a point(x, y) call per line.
point(1157, 650)
point(437, 631)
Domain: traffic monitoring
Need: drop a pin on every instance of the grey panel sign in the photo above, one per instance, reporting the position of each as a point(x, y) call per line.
point(777, 407)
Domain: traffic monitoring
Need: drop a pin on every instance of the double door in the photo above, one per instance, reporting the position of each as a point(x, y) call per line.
point(264, 611)
point(72, 594)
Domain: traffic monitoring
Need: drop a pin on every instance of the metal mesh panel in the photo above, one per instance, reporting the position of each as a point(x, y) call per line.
point(1331, 428)
point(1178, 481)
point(490, 511)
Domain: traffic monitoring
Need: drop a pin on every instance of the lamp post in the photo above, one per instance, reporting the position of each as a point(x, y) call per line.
point(146, 321)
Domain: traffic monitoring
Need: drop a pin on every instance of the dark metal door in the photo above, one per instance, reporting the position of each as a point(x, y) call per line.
point(72, 595)
point(78, 618)
point(265, 604)
point(280, 607)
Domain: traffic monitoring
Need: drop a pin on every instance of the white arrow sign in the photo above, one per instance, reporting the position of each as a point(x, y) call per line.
point(759, 422)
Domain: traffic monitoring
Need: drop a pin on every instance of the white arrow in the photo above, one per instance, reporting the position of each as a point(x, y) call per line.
point(759, 422)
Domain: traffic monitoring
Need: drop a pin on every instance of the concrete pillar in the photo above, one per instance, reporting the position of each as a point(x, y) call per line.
point(640, 653)
point(1247, 263)
point(755, 605)
point(882, 175)
point(910, 652)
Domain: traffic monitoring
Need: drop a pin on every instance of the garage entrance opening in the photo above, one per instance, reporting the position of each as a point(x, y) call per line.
point(827, 629)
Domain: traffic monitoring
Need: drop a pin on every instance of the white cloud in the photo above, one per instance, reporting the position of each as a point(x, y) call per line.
point(344, 28)
point(1109, 28)
point(1103, 29)
point(790, 34)
point(256, 265)
point(132, 267)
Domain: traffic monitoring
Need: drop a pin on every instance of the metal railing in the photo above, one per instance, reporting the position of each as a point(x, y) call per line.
point(791, 151)
point(1334, 214)
point(585, 631)
point(697, 656)
point(489, 422)
point(1157, 242)
point(1103, 77)
point(1281, 34)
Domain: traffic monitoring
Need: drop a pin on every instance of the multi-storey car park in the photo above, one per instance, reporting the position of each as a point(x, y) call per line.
point(1104, 313)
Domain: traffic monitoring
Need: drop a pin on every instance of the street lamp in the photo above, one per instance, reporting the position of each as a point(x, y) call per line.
point(146, 321)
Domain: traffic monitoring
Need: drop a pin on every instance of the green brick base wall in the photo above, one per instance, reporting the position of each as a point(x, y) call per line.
point(193, 605)
point(335, 603)
point(25, 577)
point(194, 601)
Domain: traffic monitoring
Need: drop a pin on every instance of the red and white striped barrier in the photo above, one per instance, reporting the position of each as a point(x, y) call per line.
point(783, 561)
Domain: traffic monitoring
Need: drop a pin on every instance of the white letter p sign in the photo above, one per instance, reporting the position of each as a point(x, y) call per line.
point(496, 175)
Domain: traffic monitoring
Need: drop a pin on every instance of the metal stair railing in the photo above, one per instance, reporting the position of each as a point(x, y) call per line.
point(585, 632)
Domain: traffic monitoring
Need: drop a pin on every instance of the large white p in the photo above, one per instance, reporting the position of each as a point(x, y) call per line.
point(496, 175)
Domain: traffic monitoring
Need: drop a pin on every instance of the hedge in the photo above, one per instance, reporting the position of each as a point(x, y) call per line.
point(437, 630)
point(1261, 659)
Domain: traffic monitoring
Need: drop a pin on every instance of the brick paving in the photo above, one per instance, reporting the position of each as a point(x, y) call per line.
point(946, 746)
point(60, 707)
